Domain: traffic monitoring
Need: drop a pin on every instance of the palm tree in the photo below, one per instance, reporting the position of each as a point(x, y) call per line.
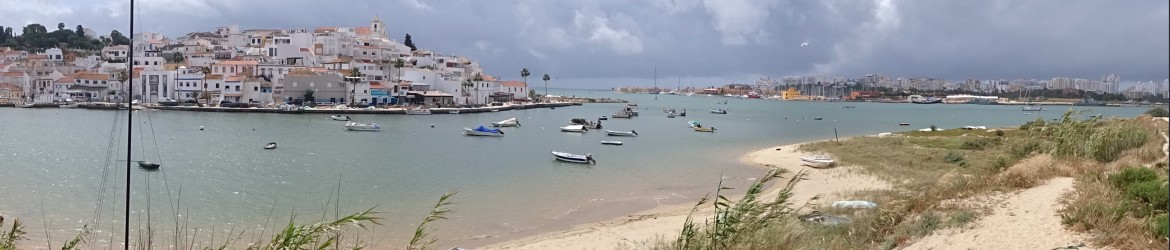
point(206, 96)
point(546, 78)
point(477, 78)
point(524, 74)
point(123, 77)
point(354, 77)
point(398, 64)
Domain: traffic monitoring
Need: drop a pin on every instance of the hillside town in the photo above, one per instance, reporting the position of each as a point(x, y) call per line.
point(230, 67)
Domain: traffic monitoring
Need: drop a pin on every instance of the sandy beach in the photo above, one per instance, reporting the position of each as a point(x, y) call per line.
point(664, 222)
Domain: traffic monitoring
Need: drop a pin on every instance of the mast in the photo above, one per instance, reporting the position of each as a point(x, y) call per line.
point(129, 130)
point(656, 91)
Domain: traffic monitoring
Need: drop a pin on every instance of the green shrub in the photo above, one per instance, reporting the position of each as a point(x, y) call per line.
point(1129, 175)
point(1158, 112)
point(1151, 192)
point(1106, 143)
point(953, 157)
point(1001, 163)
point(978, 143)
point(1162, 226)
point(999, 133)
point(1023, 149)
point(933, 128)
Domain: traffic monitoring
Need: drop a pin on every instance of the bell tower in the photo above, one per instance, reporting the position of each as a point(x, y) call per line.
point(378, 28)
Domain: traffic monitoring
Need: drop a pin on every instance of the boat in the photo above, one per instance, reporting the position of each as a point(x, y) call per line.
point(575, 128)
point(611, 143)
point(621, 133)
point(817, 161)
point(574, 158)
point(357, 126)
point(917, 99)
point(495, 110)
point(482, 131)
point(453, 112)
point(586, 123)
point(621, 115)
point(903, 124)
point(702, 129)
point(683, 113)
point(818, 118)
point(848, 107)
point(418, 111)
point(1089, 102)
point(512, 122)
point(339, 117)
point(69, 106)
point(719, 111)
point(671, 115)
point(753, 95)
point(148, 165)
point(270, 145)
point(290, 109)
point(694, 124)
point(28, 105)
point(1032, 107)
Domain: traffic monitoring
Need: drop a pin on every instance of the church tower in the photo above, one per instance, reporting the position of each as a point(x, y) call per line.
point(378, 28)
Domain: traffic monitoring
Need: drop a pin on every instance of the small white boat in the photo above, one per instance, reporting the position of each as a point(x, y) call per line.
point(694, 124)
point(702, 129)
point(69, 106)
point(611, 142)
point(574, 158)
point(340, 117)
point(817, 161)
point(575, 128)
point(718, 111)
point(418, 111)
point(270, 145)
point(482, 131)
point(357, 126)
point(621, 133)
point(453, 112)
point(27, 105)
point(511, 122)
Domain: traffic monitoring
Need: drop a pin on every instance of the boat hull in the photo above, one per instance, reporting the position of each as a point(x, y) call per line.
point(472, 132)
point(362, 127)
point(575, 129)
point(567, 157)
point(611, 142)
point(621, 133)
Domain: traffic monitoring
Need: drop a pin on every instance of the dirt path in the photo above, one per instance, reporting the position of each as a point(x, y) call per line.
point(1029, 219)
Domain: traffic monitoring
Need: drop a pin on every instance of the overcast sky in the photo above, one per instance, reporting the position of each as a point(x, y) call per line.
point(605, 43)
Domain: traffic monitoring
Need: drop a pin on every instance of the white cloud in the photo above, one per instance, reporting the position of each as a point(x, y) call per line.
point(416, 4)
point(740, 20)
point(599, 30)
point(37, 11)
point(675, 6)
point(534, 29)
point(536, 54)
point(885, 19)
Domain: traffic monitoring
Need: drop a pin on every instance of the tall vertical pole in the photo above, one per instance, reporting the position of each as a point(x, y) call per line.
point(129, 130)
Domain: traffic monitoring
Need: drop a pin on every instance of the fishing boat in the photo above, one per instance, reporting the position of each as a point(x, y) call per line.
point(574, 158)
point(575, 128)
point(418, 111)
point(482, 131)
point(148, 165)
point(357, 126)
point(339, 117)
point(621, 133)
point(817, 161)
point(611, 143)
point(586, 123)
point(718, 111)
point(511, 122)
point(270, 145)
point(702, 129)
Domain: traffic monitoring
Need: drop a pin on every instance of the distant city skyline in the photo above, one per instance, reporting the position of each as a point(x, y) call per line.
point(598, 44)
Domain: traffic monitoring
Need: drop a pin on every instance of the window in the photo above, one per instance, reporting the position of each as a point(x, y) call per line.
point(329, 85)
point(217, 85)
point(312, 85)
point(255, 88)
point(237, 87)
point(364, 91)
point(294, 84)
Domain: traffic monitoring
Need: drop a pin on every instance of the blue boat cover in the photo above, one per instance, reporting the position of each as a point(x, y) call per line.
point(481, 128)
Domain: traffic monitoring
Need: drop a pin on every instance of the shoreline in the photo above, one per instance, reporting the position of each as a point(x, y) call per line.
point(664, 221)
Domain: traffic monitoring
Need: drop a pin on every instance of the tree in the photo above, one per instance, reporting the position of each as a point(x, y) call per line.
point(60, 26)
point(546, 78)
point(205, 95)
point(355, 76)
point(524, 74)
point(409, 43)
point(398, 64)
point(80, 31)
point(1158, 112)
point(117, 38)
point(309, 95)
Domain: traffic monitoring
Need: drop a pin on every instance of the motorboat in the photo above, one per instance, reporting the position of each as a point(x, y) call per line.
point(671, 115)
point(818, 118)
point(622, 115)
point(357, 126)
point(621, 133)
point(718, 111)
point(69, 106)
point(453, 112)
point(574, 158)
point(903, 124)
point(148, 165)
point(702, 129)
point(1032, 107)
point(611, 143)
point(511, 122)
point(482, 131)
point(694, 124)
point(575, 128)
point(817, 161)
point(418, 111)
point(28, 105)
point(340, 117)
point(270, 145)
point(586, 123)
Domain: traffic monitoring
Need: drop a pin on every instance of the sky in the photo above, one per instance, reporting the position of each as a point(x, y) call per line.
point(611, 43)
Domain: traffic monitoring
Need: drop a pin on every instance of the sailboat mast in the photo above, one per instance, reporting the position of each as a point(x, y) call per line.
point(129, 130)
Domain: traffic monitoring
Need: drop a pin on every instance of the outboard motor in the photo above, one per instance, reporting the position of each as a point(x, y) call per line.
point(589, 157)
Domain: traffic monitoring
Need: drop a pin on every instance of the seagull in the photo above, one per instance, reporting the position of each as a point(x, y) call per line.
point(803, 44)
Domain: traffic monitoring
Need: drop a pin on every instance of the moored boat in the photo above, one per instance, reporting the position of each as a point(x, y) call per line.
point(1032, 107)
point(511, 122)
point(611, 143)
point(574, 158)
point(718, 111)
point(621, 133)
point(270, 145)
point(575, 128)
point(694, 124)
point(453, 112)
point(339, 117)
point(148, 165)
point(702, 129)
point(69, 106)
point(28, 105)
point(357, 126)
point(903, 124)
point(817, 161)
point(482, 131)
point(418, 111)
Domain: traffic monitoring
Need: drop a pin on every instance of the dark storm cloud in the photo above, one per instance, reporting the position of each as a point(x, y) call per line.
point(710, 41)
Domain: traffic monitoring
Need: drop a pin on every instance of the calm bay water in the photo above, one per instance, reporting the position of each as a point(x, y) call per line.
point(508, 187)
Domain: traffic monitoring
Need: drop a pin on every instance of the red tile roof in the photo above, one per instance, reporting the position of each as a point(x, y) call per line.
point(362, 30)
point(513, 84)
point(13, 74)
